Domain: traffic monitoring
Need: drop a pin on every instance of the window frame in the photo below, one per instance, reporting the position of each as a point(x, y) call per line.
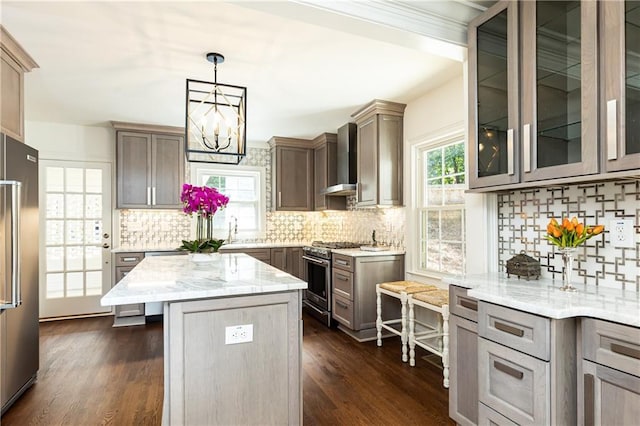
point(419, 188)
point(198, 170)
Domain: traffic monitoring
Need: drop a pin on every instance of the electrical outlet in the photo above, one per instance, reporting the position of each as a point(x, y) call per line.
point(621, 233)
point(238, 334)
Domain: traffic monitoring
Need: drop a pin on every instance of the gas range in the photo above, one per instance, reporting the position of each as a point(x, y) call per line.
point(323, 249)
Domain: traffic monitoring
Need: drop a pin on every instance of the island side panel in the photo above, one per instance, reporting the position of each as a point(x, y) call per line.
point(257, 382)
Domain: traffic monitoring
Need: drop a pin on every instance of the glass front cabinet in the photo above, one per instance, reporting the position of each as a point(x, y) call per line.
point(554, 90)
point(620, 70)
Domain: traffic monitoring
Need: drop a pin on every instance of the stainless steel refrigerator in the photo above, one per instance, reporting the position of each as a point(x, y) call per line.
point(19, 345)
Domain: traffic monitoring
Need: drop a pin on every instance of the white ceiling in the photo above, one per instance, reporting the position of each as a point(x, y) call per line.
point(306, 68)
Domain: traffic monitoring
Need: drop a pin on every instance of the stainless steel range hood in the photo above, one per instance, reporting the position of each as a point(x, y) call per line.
point(346, 159)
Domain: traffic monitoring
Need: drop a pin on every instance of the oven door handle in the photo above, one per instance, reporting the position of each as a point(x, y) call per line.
point(317, 261)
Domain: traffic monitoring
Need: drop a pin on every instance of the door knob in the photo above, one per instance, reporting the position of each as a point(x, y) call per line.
point(105, 245)
point(105, 235)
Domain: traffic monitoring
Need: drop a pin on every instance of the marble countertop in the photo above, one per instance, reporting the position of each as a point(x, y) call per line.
point(356, 252)
point(141, 248)
point(173, 278)
point(544, 297)
point(131, 249)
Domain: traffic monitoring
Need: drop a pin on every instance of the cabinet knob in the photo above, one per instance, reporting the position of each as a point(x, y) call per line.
point(106, 245)
point(105, 235)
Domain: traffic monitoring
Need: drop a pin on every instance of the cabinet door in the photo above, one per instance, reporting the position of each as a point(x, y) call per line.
point(559, 89)
point(368, 162)
point(494, 97)
point(133, 170)
point(320, 176)
point(620, 112)
point(295, 263)
point(167, 171)
point(611, 397)
point(463, 385)
point(12, 99)
point(278, 258)
point(294, 174)
point(389, 160)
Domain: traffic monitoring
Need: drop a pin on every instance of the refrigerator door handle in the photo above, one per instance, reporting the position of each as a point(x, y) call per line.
point(16, 199)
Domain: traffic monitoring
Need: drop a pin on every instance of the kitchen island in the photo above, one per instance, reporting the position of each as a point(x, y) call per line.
point(232, 337)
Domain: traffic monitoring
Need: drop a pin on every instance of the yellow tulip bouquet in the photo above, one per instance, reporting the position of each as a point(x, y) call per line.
point(570, 233)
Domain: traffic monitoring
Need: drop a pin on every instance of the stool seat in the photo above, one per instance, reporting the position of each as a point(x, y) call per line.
point(408, 287)
point(437, 297)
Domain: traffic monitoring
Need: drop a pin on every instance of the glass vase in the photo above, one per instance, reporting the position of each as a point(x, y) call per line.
point(568, 253)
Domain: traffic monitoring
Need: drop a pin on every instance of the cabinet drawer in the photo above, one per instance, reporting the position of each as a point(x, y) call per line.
point(121, 271)
point(343, 262)
point(129, 259)
point(613, 345)
point(342, 310)
point(489, 417)
point(462, 305)
point(343, 283)
point(514, 384)
point(522, 331)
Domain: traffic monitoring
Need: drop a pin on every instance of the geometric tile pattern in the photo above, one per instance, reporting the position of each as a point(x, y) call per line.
point(523, 216)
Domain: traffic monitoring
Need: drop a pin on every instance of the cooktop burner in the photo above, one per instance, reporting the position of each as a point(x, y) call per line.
point(335, 244)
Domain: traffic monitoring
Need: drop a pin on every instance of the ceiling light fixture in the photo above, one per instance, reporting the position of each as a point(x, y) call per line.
point(215, 127)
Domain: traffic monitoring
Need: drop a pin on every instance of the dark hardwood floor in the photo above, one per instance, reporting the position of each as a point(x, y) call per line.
point(93, 374)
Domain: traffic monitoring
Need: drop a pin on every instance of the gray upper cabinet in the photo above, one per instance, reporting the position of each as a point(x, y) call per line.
point(150, 169)
point(292, 163)
point(559, 89)
point(379, 147)
point(494, 146)
point(620, 70)
point(325, 150)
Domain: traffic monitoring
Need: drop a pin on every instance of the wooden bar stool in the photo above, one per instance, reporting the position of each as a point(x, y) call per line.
point(436, 301)
point(400, 290)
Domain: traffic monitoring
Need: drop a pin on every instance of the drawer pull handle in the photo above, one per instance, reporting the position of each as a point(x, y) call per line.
point(589, 415)
point(508, 370)
point(342, 262)
point(469, 304)
point(342, 278)
point(129, 259)
point(509, 329)
point(625, 350)
point(342, 305)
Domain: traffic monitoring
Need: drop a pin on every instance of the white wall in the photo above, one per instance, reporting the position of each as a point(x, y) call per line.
point(435, 115)
point(57, 141)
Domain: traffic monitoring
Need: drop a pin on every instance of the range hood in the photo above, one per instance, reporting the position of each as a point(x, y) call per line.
point(346, 163)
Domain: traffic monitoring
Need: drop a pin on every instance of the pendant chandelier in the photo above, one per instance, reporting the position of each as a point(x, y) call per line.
point(215, 128)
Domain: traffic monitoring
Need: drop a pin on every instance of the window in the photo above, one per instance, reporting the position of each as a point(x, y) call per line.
point(245, 189)
point(441, 185)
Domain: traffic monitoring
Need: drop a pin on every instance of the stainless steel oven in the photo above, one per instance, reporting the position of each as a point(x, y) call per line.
point(317, 300)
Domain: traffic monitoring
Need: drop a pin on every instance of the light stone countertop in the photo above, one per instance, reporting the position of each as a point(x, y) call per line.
point(356, 252)
point(129, 249)
point(544, 297)
point(172, 278)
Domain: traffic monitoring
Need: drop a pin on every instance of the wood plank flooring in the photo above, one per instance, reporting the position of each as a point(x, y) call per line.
point(93, 374)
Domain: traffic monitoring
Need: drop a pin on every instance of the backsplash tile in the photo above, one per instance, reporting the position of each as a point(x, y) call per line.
point(523, 216)
point(153, 228)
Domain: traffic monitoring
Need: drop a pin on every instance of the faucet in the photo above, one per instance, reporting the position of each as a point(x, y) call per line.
point(233, 229)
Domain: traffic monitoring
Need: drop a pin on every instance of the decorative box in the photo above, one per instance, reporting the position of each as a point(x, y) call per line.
point(523, 266)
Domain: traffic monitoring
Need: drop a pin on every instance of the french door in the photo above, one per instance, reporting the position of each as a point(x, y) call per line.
point(75, 237)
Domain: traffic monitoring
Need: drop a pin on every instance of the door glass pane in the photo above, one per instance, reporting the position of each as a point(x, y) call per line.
point(75, 284)
point(493, 94)
point(92, 231)
point(93, 208)
point(93, 257)
point(55, 259)
point(55, 286)
point(632, 61)
point(558, 78)
point(75, 258)
point(94, 181)
point(74, 232)
point(74, 180)
point(55, 232)
point(94, 283)
point(54, 179)
point(55, 206)
point(75, 206)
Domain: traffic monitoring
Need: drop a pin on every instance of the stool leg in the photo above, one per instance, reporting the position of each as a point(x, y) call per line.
point(403, 333)
point(412, 335)
point(379, 316)
point(445, 343)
